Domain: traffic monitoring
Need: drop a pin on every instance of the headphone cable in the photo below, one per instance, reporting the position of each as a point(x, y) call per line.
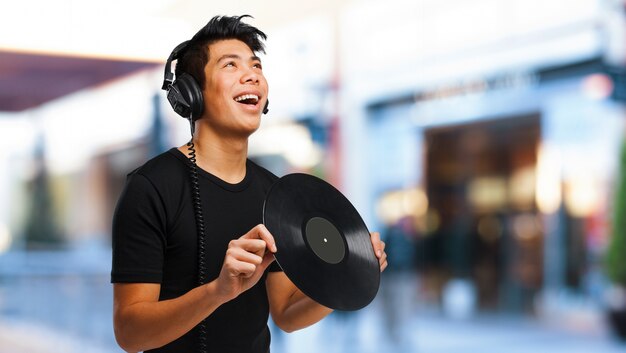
point(197, 207)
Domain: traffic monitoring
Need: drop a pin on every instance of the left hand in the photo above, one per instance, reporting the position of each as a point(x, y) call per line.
point(379, 250)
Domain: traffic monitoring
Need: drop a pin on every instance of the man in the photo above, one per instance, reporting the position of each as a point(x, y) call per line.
point(157, 256)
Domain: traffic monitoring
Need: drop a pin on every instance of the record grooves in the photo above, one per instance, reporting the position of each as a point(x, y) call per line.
point(323, 244)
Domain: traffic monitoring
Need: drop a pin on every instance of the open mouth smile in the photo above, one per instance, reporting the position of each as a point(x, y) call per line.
point(249, 99)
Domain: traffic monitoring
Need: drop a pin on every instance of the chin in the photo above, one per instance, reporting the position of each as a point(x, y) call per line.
point(249, 129)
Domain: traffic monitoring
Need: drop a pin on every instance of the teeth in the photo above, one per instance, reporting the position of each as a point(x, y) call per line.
point(247, 96)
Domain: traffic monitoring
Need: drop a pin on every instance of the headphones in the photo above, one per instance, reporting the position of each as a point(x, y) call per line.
point(184, 92)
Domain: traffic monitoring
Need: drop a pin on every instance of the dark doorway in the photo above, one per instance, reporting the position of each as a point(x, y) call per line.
point(480, 184)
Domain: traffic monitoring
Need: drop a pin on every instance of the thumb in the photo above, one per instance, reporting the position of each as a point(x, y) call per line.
point(268, 258)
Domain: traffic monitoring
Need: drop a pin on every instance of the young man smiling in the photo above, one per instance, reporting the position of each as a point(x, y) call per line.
point(158, 303)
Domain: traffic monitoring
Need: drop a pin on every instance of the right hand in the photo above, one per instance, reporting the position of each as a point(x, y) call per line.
point(245, 262)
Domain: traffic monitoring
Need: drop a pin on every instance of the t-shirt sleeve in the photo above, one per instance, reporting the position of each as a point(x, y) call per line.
point(138, 233)
point(274, 267)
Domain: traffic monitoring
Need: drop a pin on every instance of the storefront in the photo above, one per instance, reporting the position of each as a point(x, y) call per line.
point(502, 157)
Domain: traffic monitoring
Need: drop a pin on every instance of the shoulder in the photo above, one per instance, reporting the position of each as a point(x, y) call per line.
point(164, 172)
point(164, 164)
point(169, 166)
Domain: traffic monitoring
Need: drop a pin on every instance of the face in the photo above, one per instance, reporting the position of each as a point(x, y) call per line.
point(236, 90)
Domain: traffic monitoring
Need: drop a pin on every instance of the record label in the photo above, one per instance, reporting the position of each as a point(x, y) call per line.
point(324, 240)
point(323, 245)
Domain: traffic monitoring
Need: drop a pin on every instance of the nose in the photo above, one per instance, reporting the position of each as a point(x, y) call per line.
point(250, 76)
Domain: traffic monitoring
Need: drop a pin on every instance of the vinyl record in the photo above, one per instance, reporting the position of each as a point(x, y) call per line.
point(323, 245)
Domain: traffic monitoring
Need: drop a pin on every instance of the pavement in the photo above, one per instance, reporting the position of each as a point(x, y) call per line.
point(365, 332)
point(47, 310)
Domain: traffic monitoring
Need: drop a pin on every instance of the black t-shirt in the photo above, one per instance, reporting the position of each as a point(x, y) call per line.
point(155, 241)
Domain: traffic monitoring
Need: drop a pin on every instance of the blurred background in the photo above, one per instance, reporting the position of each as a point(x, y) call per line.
point(482, 138)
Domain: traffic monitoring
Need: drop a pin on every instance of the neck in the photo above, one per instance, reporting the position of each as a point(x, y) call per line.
point(220, 156)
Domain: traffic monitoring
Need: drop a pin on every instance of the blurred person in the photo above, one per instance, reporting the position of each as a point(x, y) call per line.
point(176, 291)
point(399, 284)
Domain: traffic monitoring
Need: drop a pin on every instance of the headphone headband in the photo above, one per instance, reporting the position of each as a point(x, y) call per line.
point(169, 75)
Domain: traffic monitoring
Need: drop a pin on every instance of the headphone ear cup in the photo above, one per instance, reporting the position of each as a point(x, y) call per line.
point(185, 96)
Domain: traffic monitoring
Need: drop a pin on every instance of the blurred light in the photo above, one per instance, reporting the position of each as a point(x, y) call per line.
point(522, 188)
point(5, 238)
point(304, 154)
point(293, 141)
point(432, 222)
point(598, 86)
point(487, 193)
point(415, 202)
point(396, 205)
point(582, 197)
point(389, 208)
point(548, 180)
point(525, 226)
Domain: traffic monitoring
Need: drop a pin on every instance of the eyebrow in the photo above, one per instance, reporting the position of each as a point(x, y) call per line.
point(235, 56)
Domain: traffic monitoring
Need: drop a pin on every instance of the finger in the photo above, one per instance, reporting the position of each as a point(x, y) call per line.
point(267, 260)
point(259, 270)
point(381, 250)
point(267, 236)
point(375, 238)
point(383, 258)
point(240, 268)
point(241, 255)
point(260, 232)
point(256, 246)
point(383, 266)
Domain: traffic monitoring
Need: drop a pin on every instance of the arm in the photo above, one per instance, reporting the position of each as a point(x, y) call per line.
point(291, 309)
point(143, 322)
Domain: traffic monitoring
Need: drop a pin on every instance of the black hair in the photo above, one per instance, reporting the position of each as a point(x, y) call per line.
point(218, 28)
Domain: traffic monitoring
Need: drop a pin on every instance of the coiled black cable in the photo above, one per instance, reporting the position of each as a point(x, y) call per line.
point(197, 208)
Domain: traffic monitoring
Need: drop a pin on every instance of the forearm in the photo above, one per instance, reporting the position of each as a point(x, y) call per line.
point(301, 312)
point(146, 325)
